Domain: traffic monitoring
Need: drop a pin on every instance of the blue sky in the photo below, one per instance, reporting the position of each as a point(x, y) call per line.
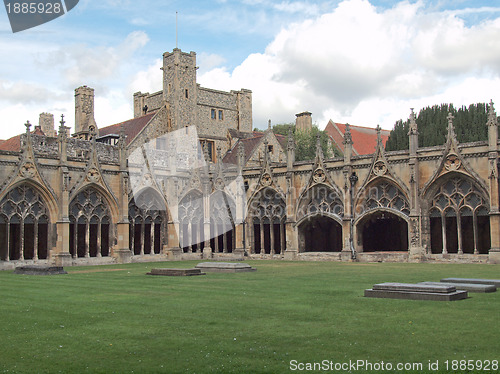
point(357, 61)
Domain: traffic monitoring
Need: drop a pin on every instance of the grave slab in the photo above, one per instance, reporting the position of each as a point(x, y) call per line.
point(224, 267)
point(39, 270)
point(411, 287)
point(494, 282)
point(471, 287)
point(171, 272)
point(434, 296)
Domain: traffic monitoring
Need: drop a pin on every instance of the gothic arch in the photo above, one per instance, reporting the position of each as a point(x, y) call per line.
point(382, 229)
point(222, 215)
point(147, 216)
point(108, 197)
point(382, 193)
point(320, 199)
point(191, 222)
point(90, 224)
point(24, 224)
point(267, 215)
point(458, 211)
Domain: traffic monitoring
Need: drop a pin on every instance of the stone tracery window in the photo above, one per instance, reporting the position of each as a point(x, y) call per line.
point(145, 214)
point(268, 214)
point(191, 237)
point(24, 225)
point(89, 225)
point(320, 199)
point(459, 219)
point(385, 195)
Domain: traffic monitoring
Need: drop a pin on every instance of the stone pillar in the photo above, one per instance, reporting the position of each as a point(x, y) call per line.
point(62, 256)
point(494, 252)
point(416, 252)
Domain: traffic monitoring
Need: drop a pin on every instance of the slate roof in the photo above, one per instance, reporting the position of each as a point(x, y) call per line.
point(364, 139)
point(132, 127)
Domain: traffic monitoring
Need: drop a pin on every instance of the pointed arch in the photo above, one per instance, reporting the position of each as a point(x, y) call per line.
point(267, 214)
point(222, 217)
point(191, 221)
point(380, 193)
point(320, 199)
point(24, 223)
point(90, 223)
point(108, 197)
point(458, 211)
point(147, 215)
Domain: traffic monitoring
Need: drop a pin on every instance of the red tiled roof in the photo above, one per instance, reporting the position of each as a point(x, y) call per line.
point(364, 139)
point(14, 143)
point(132, 127)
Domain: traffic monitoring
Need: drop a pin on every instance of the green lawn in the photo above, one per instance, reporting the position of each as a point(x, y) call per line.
point(115, 319)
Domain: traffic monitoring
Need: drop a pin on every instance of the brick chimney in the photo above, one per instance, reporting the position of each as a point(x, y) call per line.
point(303, 121)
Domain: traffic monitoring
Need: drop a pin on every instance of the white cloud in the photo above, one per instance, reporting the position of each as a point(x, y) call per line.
point(366, 65)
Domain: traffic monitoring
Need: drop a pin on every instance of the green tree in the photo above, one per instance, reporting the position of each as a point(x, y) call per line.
point(305, 141)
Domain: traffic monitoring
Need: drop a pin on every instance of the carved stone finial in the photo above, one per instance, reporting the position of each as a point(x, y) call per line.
point(291, 140)
point(492, 116)
point(413, 123)
point(319, 150)
point(451, 130)
point(28, 125)
point(379, 137)
point(219, 153)
point(205, 152)
point(269, 125)
point(347, 134)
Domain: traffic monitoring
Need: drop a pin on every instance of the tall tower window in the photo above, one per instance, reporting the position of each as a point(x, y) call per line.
point(186, 93)
point(212, 114)
point(221, 115)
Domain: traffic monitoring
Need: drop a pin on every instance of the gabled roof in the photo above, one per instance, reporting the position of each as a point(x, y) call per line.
point(364, 139)
point(14, 143)
point(132, 127)
point(250, 144)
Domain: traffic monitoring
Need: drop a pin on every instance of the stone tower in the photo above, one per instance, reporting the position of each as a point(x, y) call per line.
point(85, 125)
point(179, 87)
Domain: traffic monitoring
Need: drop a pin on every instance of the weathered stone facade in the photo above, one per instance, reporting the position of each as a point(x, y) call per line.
point(74, 200)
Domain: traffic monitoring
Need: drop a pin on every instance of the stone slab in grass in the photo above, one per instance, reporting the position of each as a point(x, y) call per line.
point(224, 267)
point(175, 272)
point(494, 282)
point(411, 287)
point(434, 296)
point(39, 270)
point(471, 287)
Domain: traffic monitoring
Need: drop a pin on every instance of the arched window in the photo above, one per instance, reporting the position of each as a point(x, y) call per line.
point(24, 225)
point(385, 195)
point(268, 214)
point(459, 219)
point(146, 218)
point(320, 210)
point(89, 225)
point(222, 212)
point(191, 238)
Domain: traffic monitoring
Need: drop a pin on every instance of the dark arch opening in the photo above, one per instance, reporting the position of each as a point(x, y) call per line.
point(384, 231)
point(320, 234)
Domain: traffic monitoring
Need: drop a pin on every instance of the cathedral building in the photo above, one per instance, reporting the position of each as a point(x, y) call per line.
point(187, 178)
